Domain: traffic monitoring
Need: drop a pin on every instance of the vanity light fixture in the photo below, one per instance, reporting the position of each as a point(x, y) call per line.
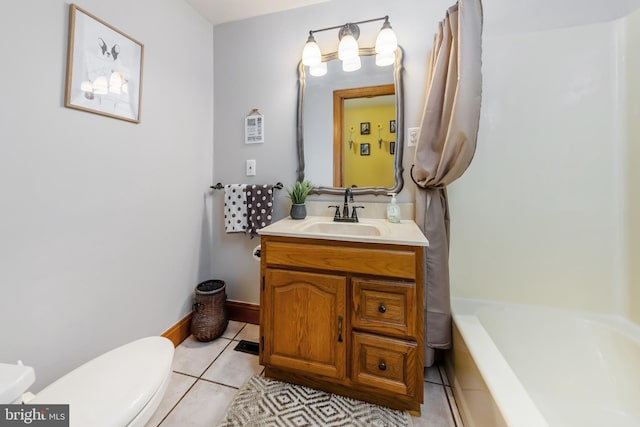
point(384, 59)
point(348, 49)
point(351, 64)
point(386, 42)
point(311, 54)
point(348, 46)
point(318, 70)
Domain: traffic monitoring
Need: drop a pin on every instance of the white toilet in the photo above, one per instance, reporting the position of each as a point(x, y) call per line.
point(120, 388)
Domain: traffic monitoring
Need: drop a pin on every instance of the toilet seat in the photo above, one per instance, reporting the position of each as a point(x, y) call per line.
point(116, 387)
point(151, 407)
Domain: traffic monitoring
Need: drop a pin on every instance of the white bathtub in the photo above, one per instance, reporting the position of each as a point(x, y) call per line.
point(519, 365)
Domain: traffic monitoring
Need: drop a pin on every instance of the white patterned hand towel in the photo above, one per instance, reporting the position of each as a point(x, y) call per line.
point(235, 208)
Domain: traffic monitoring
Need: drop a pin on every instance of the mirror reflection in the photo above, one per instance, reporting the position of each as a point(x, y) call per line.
point(350, 127)
point(364, 150)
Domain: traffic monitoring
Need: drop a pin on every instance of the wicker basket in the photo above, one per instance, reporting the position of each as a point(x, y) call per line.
point(209, 319)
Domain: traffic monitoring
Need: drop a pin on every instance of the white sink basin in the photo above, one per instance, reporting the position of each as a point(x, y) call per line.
point(348, 228)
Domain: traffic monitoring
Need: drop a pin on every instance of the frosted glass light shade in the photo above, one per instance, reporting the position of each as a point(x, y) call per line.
point(318, 70)
point(385, 59)
point(311, 54)
point(386, 42)
point(351, 64)
point(348, 48)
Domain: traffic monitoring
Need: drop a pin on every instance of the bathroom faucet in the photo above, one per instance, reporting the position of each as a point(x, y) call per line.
point(348, 197)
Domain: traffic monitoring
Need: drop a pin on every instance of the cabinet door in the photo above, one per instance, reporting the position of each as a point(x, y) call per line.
point(305, 322)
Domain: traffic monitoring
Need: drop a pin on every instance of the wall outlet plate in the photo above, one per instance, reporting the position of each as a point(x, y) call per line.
point(412, 136)
point(251, 167)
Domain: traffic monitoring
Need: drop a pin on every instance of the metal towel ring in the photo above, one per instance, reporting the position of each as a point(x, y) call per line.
point(413, 179)
point(424, 187)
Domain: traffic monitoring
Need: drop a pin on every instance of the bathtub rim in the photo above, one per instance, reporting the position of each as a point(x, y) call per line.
point(467, 313)
point(510, 397)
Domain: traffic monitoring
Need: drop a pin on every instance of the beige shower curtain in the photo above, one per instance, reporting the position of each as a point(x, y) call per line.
point(444, 150)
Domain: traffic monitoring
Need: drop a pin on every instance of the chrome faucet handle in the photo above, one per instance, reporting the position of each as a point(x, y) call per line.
point(354, 214)
point(337, 213)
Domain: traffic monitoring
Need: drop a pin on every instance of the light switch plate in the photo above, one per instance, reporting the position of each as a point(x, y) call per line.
point(412, 136)
point(251, 167)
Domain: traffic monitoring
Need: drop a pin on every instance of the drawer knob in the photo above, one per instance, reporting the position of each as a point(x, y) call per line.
point(382, 308)
point(382, 366)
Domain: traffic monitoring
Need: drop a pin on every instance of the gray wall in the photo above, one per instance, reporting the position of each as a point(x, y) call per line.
point(104, 227)
point(256, 67)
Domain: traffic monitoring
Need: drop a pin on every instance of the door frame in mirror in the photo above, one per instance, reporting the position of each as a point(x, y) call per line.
point(399, 152)
point(339, 96)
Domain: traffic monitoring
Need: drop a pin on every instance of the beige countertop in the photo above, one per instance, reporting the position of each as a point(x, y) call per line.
point(372, 230)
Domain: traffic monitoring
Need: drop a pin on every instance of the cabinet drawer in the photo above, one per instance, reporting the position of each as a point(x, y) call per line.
point(385, 363)
point(383, 306)
point(399, 262)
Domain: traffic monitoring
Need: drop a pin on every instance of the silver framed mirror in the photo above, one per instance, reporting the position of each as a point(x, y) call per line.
point(319, 150)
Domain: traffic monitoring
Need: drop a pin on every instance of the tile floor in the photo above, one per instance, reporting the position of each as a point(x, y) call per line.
point(206, 377)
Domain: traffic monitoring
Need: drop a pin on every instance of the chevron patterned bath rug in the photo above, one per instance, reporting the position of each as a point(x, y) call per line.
point(265, 402)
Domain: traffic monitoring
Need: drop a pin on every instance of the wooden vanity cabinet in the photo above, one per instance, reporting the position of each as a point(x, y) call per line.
point(345, 317)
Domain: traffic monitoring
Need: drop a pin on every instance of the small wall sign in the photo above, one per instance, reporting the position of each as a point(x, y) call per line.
point(254, 127)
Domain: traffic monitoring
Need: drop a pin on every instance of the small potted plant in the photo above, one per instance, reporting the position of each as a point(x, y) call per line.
point(298, 194)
